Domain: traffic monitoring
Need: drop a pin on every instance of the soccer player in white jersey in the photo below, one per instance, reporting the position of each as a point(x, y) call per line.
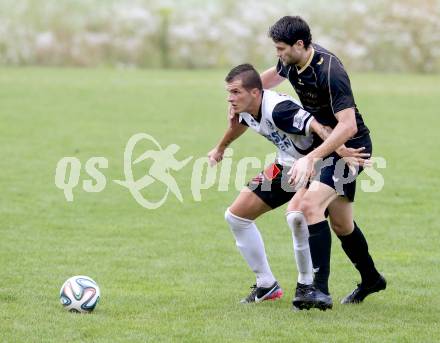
point(283, 122)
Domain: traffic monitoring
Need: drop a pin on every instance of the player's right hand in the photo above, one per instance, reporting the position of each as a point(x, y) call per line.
point(232, 117)
point(301, 172)
point(215, 156)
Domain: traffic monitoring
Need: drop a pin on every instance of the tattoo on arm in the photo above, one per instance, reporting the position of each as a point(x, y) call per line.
point(226, 144)
point(231, 135)
point(324, 132)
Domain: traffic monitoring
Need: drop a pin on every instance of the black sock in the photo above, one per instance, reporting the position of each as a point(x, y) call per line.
point(320, 241)
point(356, 247)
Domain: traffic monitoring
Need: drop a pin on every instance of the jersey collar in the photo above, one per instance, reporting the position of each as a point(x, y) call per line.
point(308, 62)
point(259, 114)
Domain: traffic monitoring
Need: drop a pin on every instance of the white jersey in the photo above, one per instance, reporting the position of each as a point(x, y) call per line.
point(285, 123)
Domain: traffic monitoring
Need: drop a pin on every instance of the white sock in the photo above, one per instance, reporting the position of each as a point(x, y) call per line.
point(300, 236)
point(249, 242)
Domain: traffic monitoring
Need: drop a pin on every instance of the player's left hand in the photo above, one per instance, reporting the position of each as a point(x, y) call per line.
point(358, 153)
point(301, 172)
point(354, 158)
point(354, 163)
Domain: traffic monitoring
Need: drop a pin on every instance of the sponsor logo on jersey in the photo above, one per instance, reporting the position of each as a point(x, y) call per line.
point(269, 124)
point(299, 119)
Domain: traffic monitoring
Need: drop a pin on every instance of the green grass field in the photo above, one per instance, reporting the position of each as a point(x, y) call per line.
point(174, 274)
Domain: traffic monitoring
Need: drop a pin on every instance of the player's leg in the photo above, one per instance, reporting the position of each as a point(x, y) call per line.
point(264, 193)
point(240, 217)
point(306, 296)
point(355, 246)
point(248, 205)
point(300, 238)
point(313, 205)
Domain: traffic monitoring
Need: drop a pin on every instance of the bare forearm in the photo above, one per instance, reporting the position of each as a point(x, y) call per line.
point(322, 131)
point(334, 139)
point(231, 134)
point(270, 78)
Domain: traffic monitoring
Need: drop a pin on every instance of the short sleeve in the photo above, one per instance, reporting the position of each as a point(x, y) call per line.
point(242, 121)
point(341, 95)
point(292, 118)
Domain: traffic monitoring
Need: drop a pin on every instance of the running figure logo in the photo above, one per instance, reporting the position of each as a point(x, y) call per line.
point(163, 161)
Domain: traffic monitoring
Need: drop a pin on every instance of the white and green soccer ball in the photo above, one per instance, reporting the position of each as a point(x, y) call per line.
point(80, 294)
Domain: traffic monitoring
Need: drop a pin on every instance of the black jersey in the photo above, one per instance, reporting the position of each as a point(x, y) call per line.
point(323, 87)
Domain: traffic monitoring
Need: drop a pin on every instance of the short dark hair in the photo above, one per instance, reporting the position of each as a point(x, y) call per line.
point(248, 76)
point(290, 29)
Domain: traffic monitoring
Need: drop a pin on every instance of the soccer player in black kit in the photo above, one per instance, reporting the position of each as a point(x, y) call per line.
point(323, 87)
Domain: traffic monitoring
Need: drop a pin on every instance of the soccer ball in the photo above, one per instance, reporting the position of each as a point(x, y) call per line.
point(79, 294)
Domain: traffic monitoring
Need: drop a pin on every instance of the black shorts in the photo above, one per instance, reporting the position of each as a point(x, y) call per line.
point(333, 171)
point(271, 185)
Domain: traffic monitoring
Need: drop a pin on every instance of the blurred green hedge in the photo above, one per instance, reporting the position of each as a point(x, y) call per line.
point(366, 35)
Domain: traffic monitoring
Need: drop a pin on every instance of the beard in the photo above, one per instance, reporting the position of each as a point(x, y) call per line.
point(290, 61)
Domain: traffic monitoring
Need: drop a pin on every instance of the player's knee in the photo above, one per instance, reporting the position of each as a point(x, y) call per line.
point(308, 208)
point(341, 228)
point(236, 222)
point(336, 227)
point(294, 219)
point(298, 225)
